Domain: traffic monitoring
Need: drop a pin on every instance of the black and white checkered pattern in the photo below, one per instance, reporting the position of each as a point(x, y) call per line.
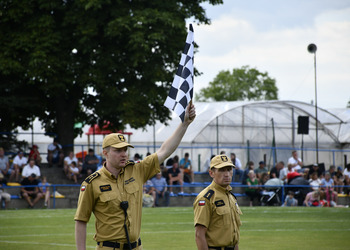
point(181, 91)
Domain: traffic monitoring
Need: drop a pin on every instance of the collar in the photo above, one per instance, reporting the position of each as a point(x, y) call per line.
point(220, 188)
point(109, 174)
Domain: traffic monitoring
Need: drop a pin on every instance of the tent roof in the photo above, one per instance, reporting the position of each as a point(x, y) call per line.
point(236, 122)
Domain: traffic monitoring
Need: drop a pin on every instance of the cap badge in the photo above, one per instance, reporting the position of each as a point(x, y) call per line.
point(224, 158)
point(121, 138)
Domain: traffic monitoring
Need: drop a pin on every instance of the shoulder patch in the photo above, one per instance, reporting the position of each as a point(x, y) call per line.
point(233, 194)
point(129, 162)
point(209, 194)
point(91, 177)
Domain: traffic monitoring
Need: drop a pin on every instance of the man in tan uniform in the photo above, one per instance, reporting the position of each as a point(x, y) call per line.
point(114, 193)
point(216, 211)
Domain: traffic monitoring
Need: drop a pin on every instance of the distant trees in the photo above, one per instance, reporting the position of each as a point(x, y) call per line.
point(241, 84)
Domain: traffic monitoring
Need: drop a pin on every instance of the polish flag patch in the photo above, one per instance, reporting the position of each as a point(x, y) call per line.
point(201, 203)
point(83, 188)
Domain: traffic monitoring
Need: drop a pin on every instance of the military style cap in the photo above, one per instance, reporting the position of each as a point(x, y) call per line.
point(221, 161)
point(115, 140)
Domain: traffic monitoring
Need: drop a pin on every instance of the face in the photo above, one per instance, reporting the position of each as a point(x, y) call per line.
point(159, 175)
point(116, 157)
point(295, 155)
point(222, 176)
point(32, 162)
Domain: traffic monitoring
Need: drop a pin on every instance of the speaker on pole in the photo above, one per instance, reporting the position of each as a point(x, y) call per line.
point(303, 125)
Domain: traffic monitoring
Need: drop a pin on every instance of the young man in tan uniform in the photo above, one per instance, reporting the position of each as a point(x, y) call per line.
point(119, 184)
point(216, 211)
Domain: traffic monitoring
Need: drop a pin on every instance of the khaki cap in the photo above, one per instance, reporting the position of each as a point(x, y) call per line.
point(221, 161)
point(115, 140)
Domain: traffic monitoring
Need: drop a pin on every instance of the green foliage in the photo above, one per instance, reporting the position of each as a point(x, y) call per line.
point(90, 61)
point(242, 84)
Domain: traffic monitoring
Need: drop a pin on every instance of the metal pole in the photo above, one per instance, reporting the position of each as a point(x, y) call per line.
point(316, 110)
point(312, 48)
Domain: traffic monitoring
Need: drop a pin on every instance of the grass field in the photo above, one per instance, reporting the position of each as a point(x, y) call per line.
point(172, 228)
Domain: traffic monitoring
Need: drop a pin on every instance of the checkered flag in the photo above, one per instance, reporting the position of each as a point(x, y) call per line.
point(181, 91)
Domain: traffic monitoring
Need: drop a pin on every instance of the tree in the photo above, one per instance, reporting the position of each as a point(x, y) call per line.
point(242, 84)
point(90, 61)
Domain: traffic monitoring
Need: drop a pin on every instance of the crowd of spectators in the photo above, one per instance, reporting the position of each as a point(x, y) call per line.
point(322, 185)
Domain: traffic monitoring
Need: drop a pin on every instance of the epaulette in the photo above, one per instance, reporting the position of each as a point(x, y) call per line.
point(91, 177)
point(129, 162)
point(233, 194)
point(209, 194)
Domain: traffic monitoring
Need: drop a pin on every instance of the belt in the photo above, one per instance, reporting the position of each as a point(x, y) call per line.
point(117, 244)
point(221, 248)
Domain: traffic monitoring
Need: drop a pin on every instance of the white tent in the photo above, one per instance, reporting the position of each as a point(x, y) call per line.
point(250, 129)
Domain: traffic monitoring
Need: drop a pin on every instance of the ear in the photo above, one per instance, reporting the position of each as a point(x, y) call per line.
point(211, 173)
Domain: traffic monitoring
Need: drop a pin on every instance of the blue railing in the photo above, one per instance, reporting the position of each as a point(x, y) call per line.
point(186, 185)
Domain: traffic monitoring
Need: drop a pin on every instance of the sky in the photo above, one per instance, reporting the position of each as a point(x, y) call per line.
point(272, 36)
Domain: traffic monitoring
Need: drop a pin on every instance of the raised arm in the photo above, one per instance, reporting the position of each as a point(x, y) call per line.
point(169, 146)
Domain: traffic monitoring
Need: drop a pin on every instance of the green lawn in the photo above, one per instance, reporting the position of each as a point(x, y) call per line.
point(172, 228)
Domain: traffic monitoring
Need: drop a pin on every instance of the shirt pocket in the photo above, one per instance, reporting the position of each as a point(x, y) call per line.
point(109, 200)
point(224, 215)
point(132, 191)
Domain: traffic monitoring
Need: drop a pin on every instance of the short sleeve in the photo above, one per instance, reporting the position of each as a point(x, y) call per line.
point(85, 203)
point(202, 211)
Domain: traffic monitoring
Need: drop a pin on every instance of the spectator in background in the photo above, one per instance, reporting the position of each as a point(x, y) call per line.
point(339, 180)
point(327, 185)
point(160, 185)
point(206, 165)
point(29, 193)
point(4, 197)
point(73, 172)
point(316, 168)
point(186, 166)
point(55, 153)
point(4, 163)
point(290, 201)
point(149, 194)
point(283, 172)
point(346, 175)
point(295, 162)
point(137, 157)
point(30, 169)
point(90, 162)
point(175, 176)
point(312, 199)
point(17, 165)
point(250, 166)
point(264, 177)
point(314, 181)
point(35, 154)
point(253, 190)
point(68, 160)
point(261, 169)
point(275, 171)
point(44, 188)
point(237, 170)
point(332, 171)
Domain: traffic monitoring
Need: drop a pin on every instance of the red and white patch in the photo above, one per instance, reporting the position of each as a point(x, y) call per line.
point(201, 203)
point(83, 188)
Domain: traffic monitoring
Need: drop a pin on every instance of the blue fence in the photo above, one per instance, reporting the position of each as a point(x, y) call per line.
point(186, 185)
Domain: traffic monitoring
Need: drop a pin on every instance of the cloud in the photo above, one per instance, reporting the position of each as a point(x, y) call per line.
point(231, 42)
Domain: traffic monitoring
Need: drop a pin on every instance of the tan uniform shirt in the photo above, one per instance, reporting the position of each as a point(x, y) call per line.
point(217, 209)
point(102, 194)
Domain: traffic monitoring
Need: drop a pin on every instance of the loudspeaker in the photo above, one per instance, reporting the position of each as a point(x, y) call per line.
point(303, 125)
